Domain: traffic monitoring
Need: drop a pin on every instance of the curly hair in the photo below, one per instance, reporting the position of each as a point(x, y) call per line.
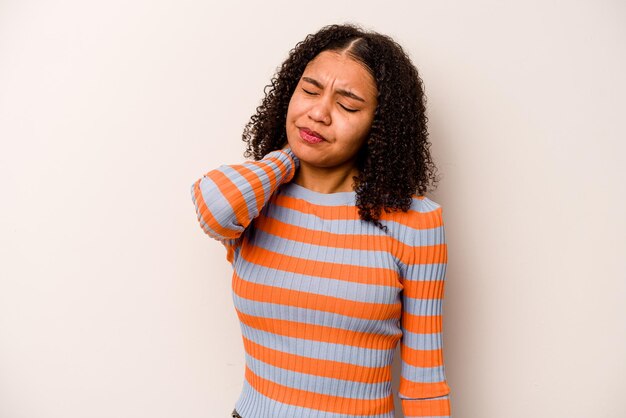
point(394, 163)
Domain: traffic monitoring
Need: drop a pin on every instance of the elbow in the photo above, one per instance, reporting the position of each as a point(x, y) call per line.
point(215, 215)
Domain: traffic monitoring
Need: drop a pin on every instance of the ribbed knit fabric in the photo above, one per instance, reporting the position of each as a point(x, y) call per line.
point(323, 298)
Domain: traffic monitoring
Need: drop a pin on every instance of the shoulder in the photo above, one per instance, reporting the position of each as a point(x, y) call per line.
point(421, 208)
point(424, 204)
point(410, 227)
point(417, 230)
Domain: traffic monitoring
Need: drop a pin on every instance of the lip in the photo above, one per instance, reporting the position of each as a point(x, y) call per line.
point(312, 132)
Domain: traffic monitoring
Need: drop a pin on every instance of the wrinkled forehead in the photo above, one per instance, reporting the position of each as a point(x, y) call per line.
point(341, 71)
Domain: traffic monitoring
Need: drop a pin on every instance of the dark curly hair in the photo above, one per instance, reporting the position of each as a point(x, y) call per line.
point(394, 163)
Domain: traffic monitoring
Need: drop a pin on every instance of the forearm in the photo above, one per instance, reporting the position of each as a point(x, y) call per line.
point(229, 197)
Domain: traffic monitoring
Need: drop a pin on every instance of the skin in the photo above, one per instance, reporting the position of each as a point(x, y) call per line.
point(328, 167)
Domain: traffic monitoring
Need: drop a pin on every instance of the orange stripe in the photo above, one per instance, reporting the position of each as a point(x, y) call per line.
point(329, 239)
point(230, 250)
point(225, 184)
point(318, 401)
point(423, 254)
point(421, 324)
point(231, 193)
point(349, 241)
point(416, 219)
point(421, 358)
point(322, 333)
point(293, 164)
point(426, 407)
point(412, 389)
point(317, 367)
point(255, 183)
point(205, 215)
point(338, 271)
point(320, 211)
point(288, 297)
point(424, 289)
point(282, 168)
point(411, 218)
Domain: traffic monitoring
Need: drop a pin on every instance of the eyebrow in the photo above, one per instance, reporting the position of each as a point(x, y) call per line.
point(340, 91)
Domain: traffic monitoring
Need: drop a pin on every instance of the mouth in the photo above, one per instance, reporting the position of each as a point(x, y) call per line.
point(311, 136)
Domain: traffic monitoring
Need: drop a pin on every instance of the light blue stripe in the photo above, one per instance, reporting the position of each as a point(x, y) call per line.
point(317, 223)
point(423, 272)
point(418, 237)
point(318, 384)
point(431, 341)
point(360, 356)
point(327, 199)
point(257, 168)
point(207, 229)
point(293, 189)
point(423, 374)
point(220, 208)
point(347, 256)
point(422, 307)
point(253, 404)
point(389, 327)
point(245, 187)
point(210, 231)
point(344, 289)
point(409, 236)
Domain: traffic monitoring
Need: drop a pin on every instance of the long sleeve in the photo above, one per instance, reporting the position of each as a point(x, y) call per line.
point(423, 389)
point(229, 197)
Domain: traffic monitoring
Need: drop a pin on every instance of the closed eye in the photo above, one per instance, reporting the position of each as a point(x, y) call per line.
point(345, 108)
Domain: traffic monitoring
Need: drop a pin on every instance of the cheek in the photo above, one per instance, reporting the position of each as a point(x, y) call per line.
point(292, 108)
point(355, 130)
point(296, 103)
point(289, 110)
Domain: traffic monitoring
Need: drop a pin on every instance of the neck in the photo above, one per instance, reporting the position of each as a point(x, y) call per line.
point(325, 180)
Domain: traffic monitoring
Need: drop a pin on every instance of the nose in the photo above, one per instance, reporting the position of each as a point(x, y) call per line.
point(320, 110)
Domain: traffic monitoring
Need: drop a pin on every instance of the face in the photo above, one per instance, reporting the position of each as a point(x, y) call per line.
point(336, 99)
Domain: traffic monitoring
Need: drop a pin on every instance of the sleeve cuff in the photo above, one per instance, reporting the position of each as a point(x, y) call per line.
point(287, 155)
point(438, 407)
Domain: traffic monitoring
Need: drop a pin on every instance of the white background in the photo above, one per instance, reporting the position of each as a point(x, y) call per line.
point(113, 302)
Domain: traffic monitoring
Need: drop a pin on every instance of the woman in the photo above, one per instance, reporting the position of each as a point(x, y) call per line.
point(325, 283)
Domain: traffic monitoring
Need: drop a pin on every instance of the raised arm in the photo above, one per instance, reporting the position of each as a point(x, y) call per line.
point(423, 389)
point(229, 197)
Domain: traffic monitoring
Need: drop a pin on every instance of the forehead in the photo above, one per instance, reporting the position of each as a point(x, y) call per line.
point(342, 71)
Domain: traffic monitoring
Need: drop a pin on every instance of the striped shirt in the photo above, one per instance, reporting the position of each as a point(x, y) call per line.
point(323, 297)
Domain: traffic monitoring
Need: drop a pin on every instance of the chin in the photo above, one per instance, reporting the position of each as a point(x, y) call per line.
point(302, 149)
